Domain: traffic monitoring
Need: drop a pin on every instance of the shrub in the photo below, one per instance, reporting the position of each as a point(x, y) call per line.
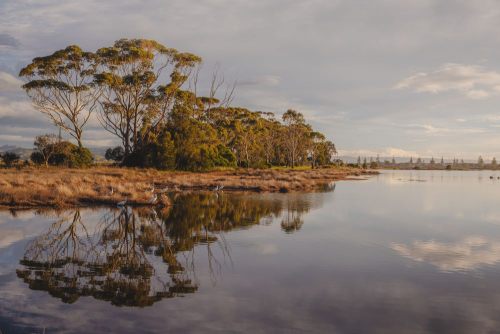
point(159, 154)
point(261, 165)
point(80, 157)
point(10, 158)
point(224, 157)
point(116, 154)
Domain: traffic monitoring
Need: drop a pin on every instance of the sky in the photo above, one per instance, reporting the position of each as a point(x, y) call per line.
point(388, 77)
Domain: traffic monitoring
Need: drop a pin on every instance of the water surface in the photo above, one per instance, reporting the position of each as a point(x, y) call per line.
point(402, 252)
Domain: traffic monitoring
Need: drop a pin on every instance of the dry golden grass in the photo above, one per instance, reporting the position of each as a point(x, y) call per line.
point(59, 187)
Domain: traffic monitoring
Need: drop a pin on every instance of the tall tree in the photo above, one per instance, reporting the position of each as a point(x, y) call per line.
point(60, 87)
point(294, 133)
point(317, 141)
point(129, 73)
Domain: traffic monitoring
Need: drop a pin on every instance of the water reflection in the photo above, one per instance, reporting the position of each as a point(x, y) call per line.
point(138, 257)
point(466, 255)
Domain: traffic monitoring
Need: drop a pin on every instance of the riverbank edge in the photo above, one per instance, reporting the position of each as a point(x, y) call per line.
point(64, 188)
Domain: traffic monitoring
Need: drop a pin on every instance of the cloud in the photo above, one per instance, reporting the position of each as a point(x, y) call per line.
point(262, 80)
point(9, 83)
point(468, 254)
point(471, 80)
point(461, 120)
point(8, 40)
point(386, 152)
point(441, 131)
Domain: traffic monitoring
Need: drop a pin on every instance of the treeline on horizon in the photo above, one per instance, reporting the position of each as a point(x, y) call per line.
point(161, 123)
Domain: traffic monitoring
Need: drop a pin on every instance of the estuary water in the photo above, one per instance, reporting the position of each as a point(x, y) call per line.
point(401, 252)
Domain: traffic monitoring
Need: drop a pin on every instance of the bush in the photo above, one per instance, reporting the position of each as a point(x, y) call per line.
point(261, 165)
point(224, 158)
point(37, 158)
point(67, 154)
point(80, 157)
point(116, 154)
point(159, 154)
point(10, 158)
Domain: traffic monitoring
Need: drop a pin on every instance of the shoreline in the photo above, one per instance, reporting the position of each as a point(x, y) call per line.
point(62, 187)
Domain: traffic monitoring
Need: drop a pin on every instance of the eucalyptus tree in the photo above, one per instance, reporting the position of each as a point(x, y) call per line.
point(247, 129)
point(270, 135)
point(129, 74)
point(316, 140)
point(295, 129)
point(60, 86)
point(46, 146)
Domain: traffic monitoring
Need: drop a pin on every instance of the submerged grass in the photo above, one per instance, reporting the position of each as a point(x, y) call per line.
point(58, 187)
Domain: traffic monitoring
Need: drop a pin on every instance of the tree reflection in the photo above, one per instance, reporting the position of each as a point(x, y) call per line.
point(138, 257)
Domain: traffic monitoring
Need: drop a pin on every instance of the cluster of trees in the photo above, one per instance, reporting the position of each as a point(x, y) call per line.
point(50, 149)
point(146, 95)
point(419, 162)
point(10, 158)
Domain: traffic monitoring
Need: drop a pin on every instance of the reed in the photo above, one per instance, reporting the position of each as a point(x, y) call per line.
point(58, 187)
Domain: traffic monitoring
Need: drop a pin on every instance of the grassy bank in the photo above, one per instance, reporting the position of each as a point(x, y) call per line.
point(73, 187)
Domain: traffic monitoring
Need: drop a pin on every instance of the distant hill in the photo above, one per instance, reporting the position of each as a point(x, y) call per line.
point(24, 153)
point(7, 148)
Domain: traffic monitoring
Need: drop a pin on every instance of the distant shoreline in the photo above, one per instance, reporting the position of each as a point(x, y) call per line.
point(62, 187)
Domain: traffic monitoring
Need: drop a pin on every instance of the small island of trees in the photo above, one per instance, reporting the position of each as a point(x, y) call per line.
point(145, 94)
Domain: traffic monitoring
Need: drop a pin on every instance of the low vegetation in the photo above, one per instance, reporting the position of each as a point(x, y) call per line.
point(59, 187)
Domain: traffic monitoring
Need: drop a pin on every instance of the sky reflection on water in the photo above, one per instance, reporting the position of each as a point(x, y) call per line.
point(403, 252)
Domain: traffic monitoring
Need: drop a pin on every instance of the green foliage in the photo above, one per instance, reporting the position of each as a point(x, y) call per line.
point(37, 158)
point(80, 157)
point(116, 154)
point(224, 158)
point(62, 153)
point(159, 154)
point(10, 158)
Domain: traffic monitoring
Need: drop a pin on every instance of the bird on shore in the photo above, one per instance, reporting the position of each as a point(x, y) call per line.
point(153, 189)
point(221, 187)
point(216, 188)
point(152, 199)
point(121, 203)
point(164, 189)
point(111, 192)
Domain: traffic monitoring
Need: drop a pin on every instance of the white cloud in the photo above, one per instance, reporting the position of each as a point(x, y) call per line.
point(262, 80)
point(471, 80)
point(9, 83)
point(441, 131)
point(461, 120)
point(467, 254)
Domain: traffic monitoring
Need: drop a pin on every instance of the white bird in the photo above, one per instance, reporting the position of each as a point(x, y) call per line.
point(221, 187)
point(152, 190)
point(164, 189)
point(152, 199)
point(216, 188)
point(121, 203)
point(111, 192)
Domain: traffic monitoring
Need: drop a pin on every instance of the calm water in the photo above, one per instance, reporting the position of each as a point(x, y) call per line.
point(403, 252)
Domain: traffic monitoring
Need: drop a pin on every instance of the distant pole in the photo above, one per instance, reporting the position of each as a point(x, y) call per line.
point(60, 137)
